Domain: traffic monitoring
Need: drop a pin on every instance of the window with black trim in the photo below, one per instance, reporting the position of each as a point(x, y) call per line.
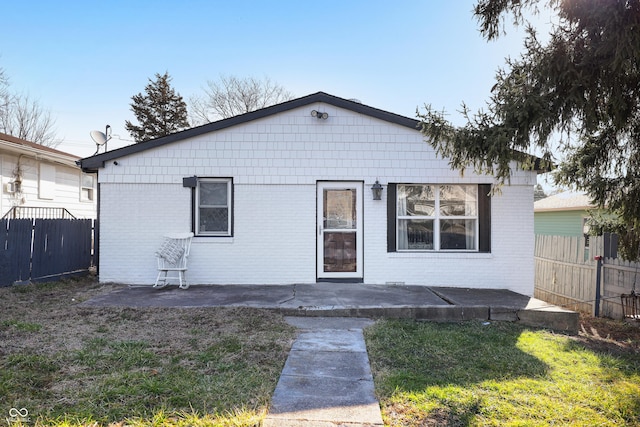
point(437, 217)
point(214, 207)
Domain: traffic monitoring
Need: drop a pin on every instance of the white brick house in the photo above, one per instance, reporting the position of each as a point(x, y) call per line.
point(281, 195)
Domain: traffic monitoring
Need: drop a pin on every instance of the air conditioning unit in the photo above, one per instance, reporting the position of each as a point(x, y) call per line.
point(10, 187)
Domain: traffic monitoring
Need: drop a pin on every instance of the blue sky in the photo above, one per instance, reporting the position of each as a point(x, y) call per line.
point(84, 60)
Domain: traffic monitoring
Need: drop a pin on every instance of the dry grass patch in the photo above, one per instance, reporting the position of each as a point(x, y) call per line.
point(74, 365)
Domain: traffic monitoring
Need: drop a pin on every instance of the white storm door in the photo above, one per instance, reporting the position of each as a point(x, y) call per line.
point(339, 234)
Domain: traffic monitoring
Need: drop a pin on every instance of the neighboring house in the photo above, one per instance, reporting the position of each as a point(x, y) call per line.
point(566, 214)
point(39, 181)
point(563, 214)
point(284, 195)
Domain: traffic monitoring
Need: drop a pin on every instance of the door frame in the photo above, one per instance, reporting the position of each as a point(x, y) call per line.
point(321, 275)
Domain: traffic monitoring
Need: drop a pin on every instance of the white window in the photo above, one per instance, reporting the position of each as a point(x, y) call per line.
point(86, 187)
point(437, 217)
point(213, 202)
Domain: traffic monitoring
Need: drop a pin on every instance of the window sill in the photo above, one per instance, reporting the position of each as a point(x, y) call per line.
point(441, 255)
point(212, 239)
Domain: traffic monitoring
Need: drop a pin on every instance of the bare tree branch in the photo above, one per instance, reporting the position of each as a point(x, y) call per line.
point(23, 117)
point(4, 93)
point(232, 96)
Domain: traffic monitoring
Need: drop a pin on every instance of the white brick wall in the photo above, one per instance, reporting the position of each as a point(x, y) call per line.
point(509, 265)
point(275, 163)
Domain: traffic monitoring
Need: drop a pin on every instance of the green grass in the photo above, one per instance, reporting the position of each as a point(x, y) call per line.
point(79, 366)
point(498, 374)
point(20, 326)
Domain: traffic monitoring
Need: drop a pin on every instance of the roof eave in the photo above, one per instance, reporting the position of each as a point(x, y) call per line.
point(68, 160)
point(98, 161)
point(565, 209)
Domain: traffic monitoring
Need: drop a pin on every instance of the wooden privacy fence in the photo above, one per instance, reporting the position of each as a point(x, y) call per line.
point(44, 249)
point(566, 274)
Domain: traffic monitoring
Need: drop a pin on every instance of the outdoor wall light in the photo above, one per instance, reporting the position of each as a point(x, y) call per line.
point(318, 115)
point(376, 189)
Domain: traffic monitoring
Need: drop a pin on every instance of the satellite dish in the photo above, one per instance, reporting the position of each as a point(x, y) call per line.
point(101, 138)
point(98, 137)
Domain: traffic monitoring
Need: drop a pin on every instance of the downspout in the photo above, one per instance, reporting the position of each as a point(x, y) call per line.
point(96, 231)
point(96, 222)
point(17, 182)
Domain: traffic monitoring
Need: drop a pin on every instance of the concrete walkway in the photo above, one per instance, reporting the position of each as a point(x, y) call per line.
point(326, 381)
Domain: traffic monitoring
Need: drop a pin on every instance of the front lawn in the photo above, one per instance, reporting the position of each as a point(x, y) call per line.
point(69, 365)
point(501, 374)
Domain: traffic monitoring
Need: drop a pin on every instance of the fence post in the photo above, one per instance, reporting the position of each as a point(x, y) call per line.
point(596, 311)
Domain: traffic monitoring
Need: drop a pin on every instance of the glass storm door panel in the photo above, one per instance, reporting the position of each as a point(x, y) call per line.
point(339, 230)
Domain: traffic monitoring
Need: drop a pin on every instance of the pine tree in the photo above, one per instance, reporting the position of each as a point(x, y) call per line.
point(580, 86)
point(538, 193)
point(160, 110)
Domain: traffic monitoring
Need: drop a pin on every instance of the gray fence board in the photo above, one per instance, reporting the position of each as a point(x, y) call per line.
point(15, 250)
point(43, 249)
point(565, 274)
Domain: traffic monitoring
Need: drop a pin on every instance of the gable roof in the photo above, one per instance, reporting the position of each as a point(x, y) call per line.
point(565, 201)
point(21, 146)
point(95, 162)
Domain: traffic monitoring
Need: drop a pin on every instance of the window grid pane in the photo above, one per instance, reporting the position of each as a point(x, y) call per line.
point(214, 219)
point(416, 200)
point(415, 234)
point(458, 200)
point(457, 234)
point(86, 195)
point(87, 180)
point(213, 194)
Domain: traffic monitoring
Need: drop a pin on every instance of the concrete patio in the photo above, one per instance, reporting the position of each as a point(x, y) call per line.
point(356, 300)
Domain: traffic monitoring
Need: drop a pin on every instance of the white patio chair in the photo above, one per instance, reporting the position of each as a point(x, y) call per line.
point(172, 258)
